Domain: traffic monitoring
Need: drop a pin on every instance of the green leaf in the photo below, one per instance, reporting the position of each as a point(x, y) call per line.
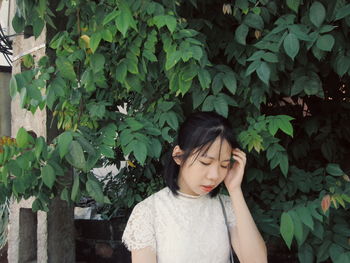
point(243, 5)
point(341, 13)
point(172, 59)
point(41, 8)
point(65, 195)
point(76, 156)
point(172, 120)
point(64, 141)
point(156, 148)
point(342, 65)
point(254, 21)
point(111, 16)
point(294, 5)
point(34, 93)
point(287, 228)
point(97, 110)
point(95, 40)
point(97, 62)
point(325, 42)
point(298, 227)
point(217, 84)
point(198, 97)
point(107, 151)
point(48, 175)
point(311, 85)
point(252, 67)
point(18, 23)
point(124, 19)
point(241, 34)
point(23, 97)
point(75, 188)
point(327, 28)
point(166, 136)
point(22, 138)
point(257, 55)
point(149, 55)
point(317, 14)
point(323, 250)
point(38, 26)
point(264, 72)
point(65, 67)
point(140, 152)
point(306, 254)
point(334, 169)
point(94, 189)
point(285, 125)
point(230, 82)
point(132, 64)
point(270, 57)
point(39, 145)
point(189, 72)
point(342, 258)
point(305, 216)
point(121, 71)
point(165, 20)
point(318, 53)
point(284, 165)
point(208, 104)
point(291, 45)
point(300, 32)
point(13, 86)
point(221, 106)
point(204, 78)
point(166, 105)
point(28, 60)
point(335, 251)
point(134, 124)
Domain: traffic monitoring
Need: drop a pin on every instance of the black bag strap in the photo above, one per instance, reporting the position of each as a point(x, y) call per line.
point(228, 230)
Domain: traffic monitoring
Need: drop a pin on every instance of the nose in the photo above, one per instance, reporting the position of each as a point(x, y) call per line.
point(213, 173)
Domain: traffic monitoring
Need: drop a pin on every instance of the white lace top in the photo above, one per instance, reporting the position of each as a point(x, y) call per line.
point(181, 228)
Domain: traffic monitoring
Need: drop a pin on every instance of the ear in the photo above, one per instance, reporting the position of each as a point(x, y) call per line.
point(177, 152)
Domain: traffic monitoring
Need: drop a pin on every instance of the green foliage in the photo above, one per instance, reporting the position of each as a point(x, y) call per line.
point(278, 71)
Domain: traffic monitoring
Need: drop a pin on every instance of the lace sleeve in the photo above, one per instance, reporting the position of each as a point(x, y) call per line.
point(231, 217)
point(139, 231)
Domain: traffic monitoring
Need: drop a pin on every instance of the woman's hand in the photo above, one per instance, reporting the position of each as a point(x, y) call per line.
point(234, 177)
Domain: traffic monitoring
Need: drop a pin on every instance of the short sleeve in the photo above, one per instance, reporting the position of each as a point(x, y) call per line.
point(231, 217)
point(139, 231)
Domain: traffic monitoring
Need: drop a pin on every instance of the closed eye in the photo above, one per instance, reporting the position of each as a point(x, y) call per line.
point(204, 163)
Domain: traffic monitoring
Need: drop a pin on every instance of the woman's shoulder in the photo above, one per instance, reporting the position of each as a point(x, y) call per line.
point(150, 201)
point(227, 203)
point(224, 197)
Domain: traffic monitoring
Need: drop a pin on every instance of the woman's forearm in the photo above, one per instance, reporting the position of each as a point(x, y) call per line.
point(246, 237)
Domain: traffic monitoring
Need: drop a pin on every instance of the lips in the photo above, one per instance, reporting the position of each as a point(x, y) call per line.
point(207, 188)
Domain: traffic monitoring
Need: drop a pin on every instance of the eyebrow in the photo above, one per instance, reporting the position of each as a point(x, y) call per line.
point(212, 158)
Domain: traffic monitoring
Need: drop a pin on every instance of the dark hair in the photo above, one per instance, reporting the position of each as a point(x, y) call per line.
point(196, 135)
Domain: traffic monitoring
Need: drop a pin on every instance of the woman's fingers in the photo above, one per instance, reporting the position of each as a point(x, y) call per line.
point(239, 156)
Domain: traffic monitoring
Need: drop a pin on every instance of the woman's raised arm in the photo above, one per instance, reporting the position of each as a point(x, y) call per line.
point(144, 255)
point(246, 238)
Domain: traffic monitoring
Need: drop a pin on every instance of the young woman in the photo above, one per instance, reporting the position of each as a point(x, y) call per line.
point(184, 222)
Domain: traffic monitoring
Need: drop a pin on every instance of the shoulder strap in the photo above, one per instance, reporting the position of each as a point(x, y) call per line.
point(228, 230)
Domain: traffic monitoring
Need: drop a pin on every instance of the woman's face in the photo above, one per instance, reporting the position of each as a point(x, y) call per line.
point(200, 176)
